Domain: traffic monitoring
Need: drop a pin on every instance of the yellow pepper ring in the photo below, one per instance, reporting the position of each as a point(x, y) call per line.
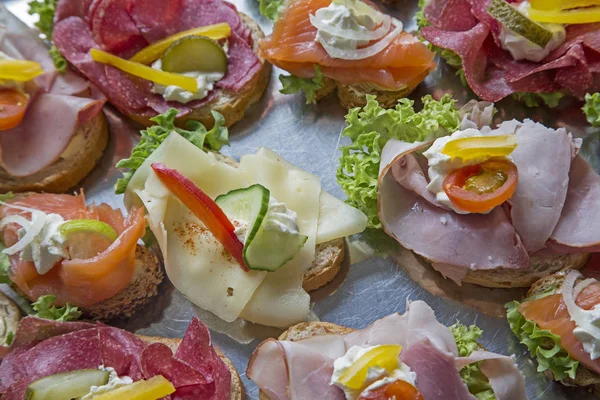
point(562, 4)
point(19, 70)
point(579, 16)
point(144, 72)
point(154, 388)
point(480, 147)
point(156, 50)
point(381, 357)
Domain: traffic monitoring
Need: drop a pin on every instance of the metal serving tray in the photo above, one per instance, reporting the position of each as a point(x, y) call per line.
point(309, 136)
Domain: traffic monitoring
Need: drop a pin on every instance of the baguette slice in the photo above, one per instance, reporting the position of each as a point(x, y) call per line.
point(232, 105)
point(67, 171)
point(237, 388)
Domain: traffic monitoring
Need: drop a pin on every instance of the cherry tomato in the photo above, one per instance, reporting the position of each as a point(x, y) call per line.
point(398, 390)
point(13, 105)
point(479, 188)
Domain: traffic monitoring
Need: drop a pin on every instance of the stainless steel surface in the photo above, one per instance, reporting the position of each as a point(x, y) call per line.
point(309, 137)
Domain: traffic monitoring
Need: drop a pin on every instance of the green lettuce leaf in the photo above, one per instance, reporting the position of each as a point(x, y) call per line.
point(153, 136)
point(45, 10)
point(591, 109)
point(4, 264)
point(270, 8)
point(542, 344)
point(466, 340)
point(536, 99)
point(59, 61)
point(292, 85)
point(420, 15)
point(9, 338)
point(371, 127)
point(44, 309)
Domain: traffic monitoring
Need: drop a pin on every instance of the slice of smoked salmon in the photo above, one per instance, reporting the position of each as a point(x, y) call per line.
point(79, 282)
point(293, 41)
point(551, 313)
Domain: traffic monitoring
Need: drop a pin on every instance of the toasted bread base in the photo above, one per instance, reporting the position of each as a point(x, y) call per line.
point(65, 173)
point(232, 105)
point(237, 389)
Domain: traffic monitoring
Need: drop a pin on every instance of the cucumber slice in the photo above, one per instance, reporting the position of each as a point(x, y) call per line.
point(66, 385)
point(512, 19)
point(194, 53)
point(265, 249)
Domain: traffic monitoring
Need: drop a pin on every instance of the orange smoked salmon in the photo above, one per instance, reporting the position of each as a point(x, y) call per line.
point(292, 46)
point(551, 313)
point(81, 282)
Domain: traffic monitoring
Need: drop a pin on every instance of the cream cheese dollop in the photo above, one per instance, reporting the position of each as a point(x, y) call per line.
point(278, 218)
point(376, 377)
point(114, 381)
point(205, 81)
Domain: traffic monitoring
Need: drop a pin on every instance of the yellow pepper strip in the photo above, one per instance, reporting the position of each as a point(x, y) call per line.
point(381, 357)
point(19, 70)
point(156, 50)
point(480, 147)
point(144, 72)
point(579, 16)
point(562, 4)
point(151, 389)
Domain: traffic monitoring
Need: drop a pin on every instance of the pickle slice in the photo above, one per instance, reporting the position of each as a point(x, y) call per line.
point(512, 19)
point(66, 385)
point(194, 53)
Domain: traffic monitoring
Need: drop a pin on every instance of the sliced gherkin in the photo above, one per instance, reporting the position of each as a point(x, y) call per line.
point(517, 22)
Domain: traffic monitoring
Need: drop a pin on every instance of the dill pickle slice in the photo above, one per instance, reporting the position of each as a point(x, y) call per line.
point(194, 53)
point(512, 19)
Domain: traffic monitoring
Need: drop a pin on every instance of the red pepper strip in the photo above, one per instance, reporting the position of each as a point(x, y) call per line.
point(204, 208)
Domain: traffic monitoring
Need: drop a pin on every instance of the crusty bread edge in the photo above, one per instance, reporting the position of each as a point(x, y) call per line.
point(65, 173)
point(237, 388)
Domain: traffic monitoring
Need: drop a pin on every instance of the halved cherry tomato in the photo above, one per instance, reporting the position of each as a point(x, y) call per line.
point(479, 188)
point(204, 208)
point(13, 105)
point(398, 390)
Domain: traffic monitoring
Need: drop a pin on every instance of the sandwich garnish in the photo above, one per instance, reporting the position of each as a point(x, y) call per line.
point(45, 10)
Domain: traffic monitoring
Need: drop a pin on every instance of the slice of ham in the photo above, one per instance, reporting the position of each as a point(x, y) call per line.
point(46, 131)
point(543, 158)
point(302, 369)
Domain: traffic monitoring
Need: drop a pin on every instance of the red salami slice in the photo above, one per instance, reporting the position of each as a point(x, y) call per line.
point(114, 29)
point(144, 13)
point(32, 330)
point(243, 65)
point(16, 391)
point(452, 15)
point(157, 359)
point(122, 351)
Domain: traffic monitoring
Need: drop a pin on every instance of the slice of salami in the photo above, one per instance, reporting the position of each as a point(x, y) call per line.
point(31, 329)
point(243, 64)
point(122, 351)
point(451, 15)
point(144, 12)
point(16, 391)
point(114, 29)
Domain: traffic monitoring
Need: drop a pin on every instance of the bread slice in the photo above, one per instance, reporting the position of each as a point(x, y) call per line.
point(237, 388)
point(67, 171)
point(232, 105)
point(584, 377)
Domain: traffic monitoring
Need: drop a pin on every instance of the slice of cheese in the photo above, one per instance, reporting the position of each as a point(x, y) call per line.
point(280, 300)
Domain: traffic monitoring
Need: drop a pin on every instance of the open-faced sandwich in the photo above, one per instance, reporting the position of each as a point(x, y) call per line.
point(51, 360)
point(242, 240)
point(498, 207)
point(344, 45)
point(537, 51)
point(84, 256)
point(404, 357)
point(558, 322)
point(52, 133)
point(147, 56)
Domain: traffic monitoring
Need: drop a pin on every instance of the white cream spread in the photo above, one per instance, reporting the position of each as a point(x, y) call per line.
point(278, 218)
point(440, 165)
point(521, 48)
point(204, 80)
point(39, 240)
point(376, 377)
point(114, 381)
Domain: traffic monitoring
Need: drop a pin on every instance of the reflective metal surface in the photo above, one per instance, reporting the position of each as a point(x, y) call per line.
point(309, 136)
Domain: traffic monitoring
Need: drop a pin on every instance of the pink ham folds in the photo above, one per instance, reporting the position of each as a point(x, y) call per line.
point(42, 348)
point(54, 113)
point(549, 212)
point(124, 27)
point(466, 28)
point(302, 369)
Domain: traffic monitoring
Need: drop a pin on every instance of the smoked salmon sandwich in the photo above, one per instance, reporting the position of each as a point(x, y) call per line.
point(494, 206)
point(52, 132)
point(348, 46)
point(84, 256)
point(558, 322)
point(404, 357)
point(147, 56)
point(52, 360)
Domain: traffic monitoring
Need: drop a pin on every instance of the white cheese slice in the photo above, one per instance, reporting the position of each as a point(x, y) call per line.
point(280, 300)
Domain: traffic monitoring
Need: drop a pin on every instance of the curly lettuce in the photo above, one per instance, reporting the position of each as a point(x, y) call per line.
point(371, 127)
point(270, 8)
point(420, 15)
point(292, 85)
point(153, 136)
point(541, 343)
point(537, 99)
point(45, 10)
point(591, 109)
point(466, 340)
point(44, 308)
